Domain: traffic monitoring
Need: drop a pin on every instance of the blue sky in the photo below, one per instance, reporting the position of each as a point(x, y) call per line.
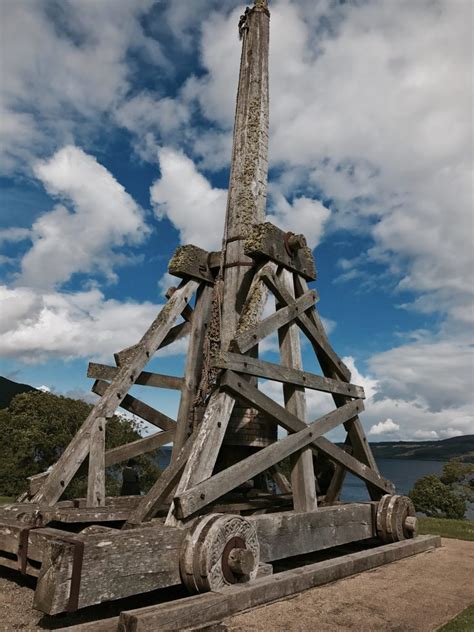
point(115, 136)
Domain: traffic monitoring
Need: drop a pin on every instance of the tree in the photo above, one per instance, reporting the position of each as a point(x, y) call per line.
point(433, 498)
point(38, 426)
point(459, 477)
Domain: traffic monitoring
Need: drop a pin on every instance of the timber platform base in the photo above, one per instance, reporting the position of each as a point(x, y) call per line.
point(192, 613)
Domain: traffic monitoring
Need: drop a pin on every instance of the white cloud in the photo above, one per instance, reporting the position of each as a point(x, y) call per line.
point(303, 215)
point(370, 108)
point(384, 427)
point(37, 325)
point(186, 198)
point(64, 68)
point(44, 388)
point(103, 216)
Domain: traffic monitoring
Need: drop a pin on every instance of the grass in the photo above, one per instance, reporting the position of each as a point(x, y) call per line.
point(458, 529)
point(464, 622)
point(6, 499)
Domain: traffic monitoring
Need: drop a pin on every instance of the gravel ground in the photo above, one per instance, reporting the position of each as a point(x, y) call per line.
point(418, 594)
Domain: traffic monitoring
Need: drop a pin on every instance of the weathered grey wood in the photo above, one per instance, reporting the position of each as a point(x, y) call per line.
point(267, 241)
point(140, 446)
point(278, 373)
point(193, 367)
point(176, 333)
point(188, 311)
point(114, 566)
point(249, 168)
point(356, 434)
point(96, 473)
point(259, 400)
point(154, 499)
point(209, 608)
point(302, 471)
point(287, 534)
point(137, 407)
point(119, 454)
point(108, 373)
point(78, 448)
point(206, 446)
point(319, 342)
point(190, 499)
point(248, 339)
point(191, 262)
point(280, 479)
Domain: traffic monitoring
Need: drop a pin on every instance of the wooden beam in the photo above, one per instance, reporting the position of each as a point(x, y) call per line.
point(114, 565)
point(191, 262)
point(138, 447)
point(108, 373)
point(193, 366)
point(202, 493)
point(302, 471)
point(206, 446)
point(260, 368)
point(212, 608)
point(287, 534)
point(267, 406)
point(251, 337)
point(96, 474)
point(356, 435)
point(118, 455)
point(319, 342)
point(137, 407)
point(160, 491)
point(77, 450)
point(267, 241)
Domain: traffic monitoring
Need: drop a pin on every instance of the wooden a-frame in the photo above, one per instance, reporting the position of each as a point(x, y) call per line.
point(191, 475)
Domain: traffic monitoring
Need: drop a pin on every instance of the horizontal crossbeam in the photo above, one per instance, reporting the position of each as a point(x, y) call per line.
point(138, 447)
point(278, 373)
point(271, 409)
point(145, 378)
point(139, 408)
point(212, 488)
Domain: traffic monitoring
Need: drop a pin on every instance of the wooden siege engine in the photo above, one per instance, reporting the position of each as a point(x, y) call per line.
point(211, 520)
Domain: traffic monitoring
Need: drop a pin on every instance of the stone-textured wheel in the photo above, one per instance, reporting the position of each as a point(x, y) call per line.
point(218, 551)
point(396, 518)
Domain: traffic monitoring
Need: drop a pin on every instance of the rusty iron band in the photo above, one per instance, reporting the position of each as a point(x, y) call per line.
point(22, 553)
point(236, 238)
point(236, 264)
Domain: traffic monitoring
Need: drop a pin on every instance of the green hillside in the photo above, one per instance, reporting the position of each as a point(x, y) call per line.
point(444, 450)
point(9, 389)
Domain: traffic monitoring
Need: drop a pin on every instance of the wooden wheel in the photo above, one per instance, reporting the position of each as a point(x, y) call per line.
point(220, 550)
point(396, 518)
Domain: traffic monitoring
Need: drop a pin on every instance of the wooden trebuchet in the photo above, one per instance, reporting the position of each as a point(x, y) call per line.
point(214, 520)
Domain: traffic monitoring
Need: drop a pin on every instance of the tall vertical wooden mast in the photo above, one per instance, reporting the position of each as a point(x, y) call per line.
point(249, 168)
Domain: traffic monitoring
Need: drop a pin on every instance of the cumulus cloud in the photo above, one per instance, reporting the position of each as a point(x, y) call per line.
point(82, 238)
point(188, 200)
point(384, 427)
point(37, 325)
point(64, 68)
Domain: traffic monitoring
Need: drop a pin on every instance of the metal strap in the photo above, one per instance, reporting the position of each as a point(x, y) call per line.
point(22, 553)
point(236, 238)
point(77, 559)
point(239, 263)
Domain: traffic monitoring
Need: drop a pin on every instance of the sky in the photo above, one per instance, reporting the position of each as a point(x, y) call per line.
point(115, 137)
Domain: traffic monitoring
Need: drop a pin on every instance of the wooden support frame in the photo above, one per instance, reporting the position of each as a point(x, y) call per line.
point(79, 447)
point(139, 408)
point(210, 489)
point(302, 471)
point(259, 400)
point(248, 339)
point(278, 373)
point(108, 373)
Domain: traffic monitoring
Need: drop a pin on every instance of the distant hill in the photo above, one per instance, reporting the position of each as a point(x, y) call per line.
point(444, 450)
point(8, 390)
